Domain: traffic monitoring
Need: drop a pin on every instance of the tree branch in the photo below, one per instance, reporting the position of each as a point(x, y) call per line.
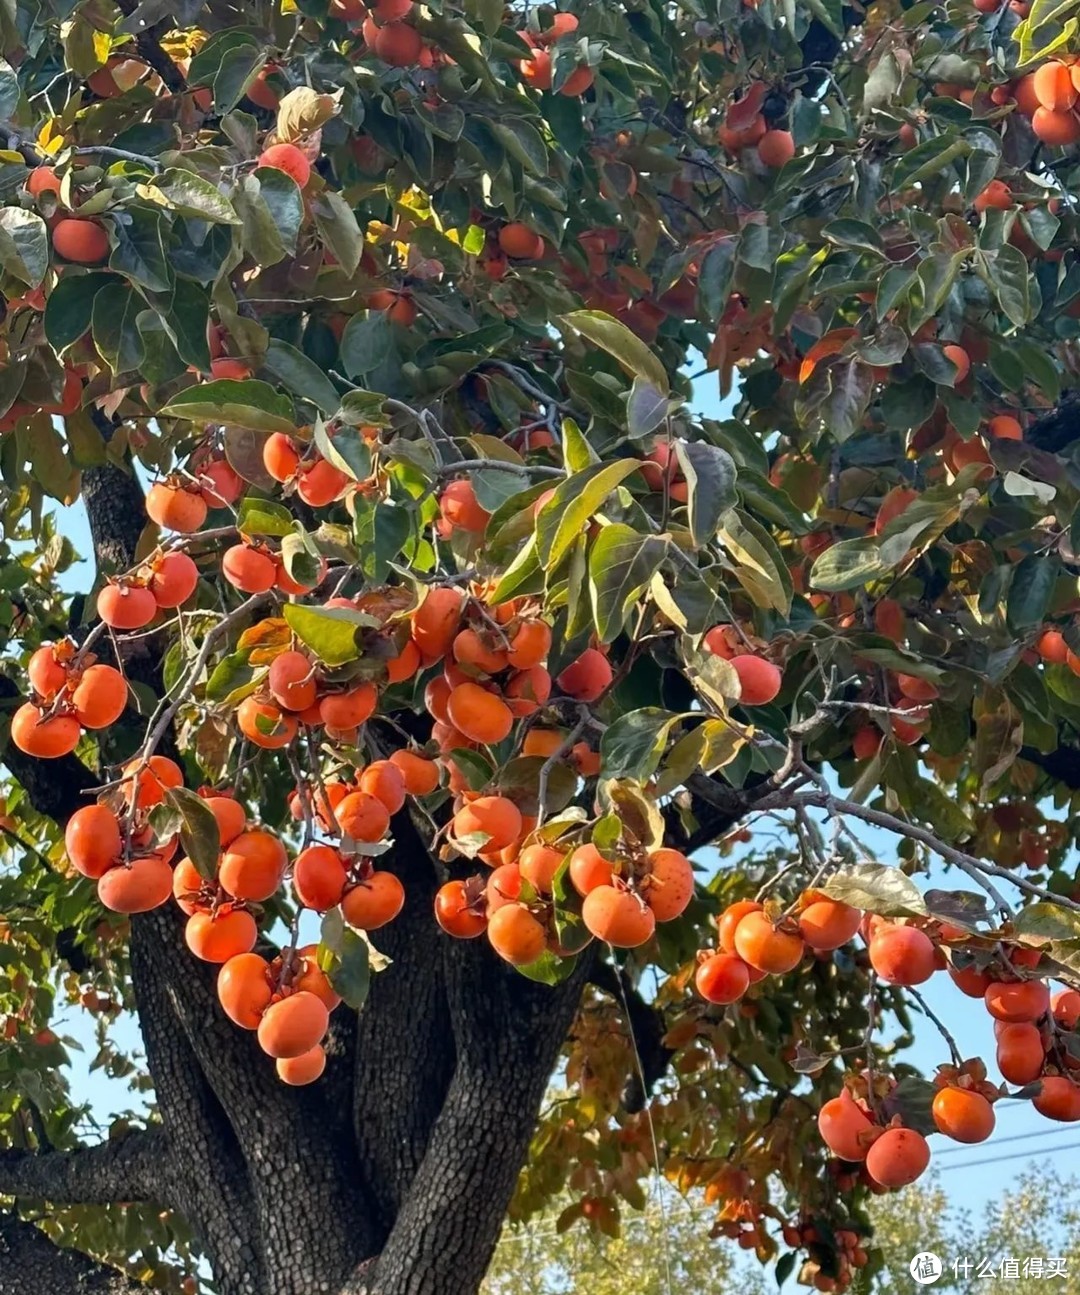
point(30, 1262)
point(133, 1167)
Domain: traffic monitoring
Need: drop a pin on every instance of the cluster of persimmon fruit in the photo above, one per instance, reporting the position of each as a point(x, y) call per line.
point(70, 691)
point(756, 940)
point(745, 126)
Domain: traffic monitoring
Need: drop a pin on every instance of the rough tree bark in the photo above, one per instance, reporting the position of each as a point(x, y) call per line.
point(393, 1175)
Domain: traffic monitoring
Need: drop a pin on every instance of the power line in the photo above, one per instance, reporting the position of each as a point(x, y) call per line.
point(998, 1142)
point(1016, 1155)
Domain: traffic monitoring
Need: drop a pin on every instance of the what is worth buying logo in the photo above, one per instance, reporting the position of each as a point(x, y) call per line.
point(926, 1268)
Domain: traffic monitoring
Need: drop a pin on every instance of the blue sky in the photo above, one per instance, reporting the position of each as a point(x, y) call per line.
point(969, 1023)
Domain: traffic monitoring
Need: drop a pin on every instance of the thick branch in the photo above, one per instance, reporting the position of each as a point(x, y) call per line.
point(130, 1168)
point(31, 1263)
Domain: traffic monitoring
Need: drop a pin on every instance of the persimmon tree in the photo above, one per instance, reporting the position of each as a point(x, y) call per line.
point(432, 632)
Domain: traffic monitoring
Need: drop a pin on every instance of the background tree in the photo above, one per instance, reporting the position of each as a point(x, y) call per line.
point(362, 338)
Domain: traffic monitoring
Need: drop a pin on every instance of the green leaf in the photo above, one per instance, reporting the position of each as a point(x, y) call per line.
point(233, 674)
point(716, 277)
point(646, 408)
point(878, 889)
point(1009, 276)
point(350, 973)
point(549, 968)
point(710, 477)
point(574, 505)
point(184, 316)
point(190, 195)
point(333, 633)
point(622, 562)
point(368, 340)
point(280, 195)
point(380, 529)
point(523, 142)
point(139, 251)
point(759, 565)
point(70, 307)
point(301, 558)
point(346, 450)
point(578, 454)
point(632, 746)
point(710, 746)
point(1048, 921)
point(615, 338)
point(523, 575)
point(199, 834)
point(115, 326)
point(1031, 591)
point(249, 403)
point(339, 230)
point(928, 159)
point(302, 376)
point(24, 245)
point(848, 564)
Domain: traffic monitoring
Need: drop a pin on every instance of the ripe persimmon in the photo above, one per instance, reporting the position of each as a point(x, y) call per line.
point(83, 242)
point(308, 975)
point(617, 916)
point(537, 70)
point(515, 935)
point(420, 775)
point(722, 978)
point(1051, 646)
point(248, 570)
point(589, 869)
point(217, 937)
point(1017, 1000)
point(374, 902)
point(398, 44)
point(171, 579)
point(1053, 87)
point(153, 779)
point(960, 359)
point(281, 456)
point(190, 890)
point(1004, 427)
point(293, 1025)
point(100, 697)
point(587, 677)
point(970, 980)
point(479, 714)
point(503, 887)
point(220, 484)
point(291, 681)
point(775, 148)
point(539, 863)
point(46, 737)
point(319, 483)
point(287, 158)
point(459, 507)
point(529, 645)
point(527, 690)
point(385, 782)
point(828, 923)
point(897, 1158)
point(349, 709)
point(301, 1070)
point(1056, 128)
point(963, 1114)
point(730, 918)
point(146, 884)
point(244, 989)
point(319, 877)
point(493, 816)
point(125, 606)
point(669, 886)
point(760, 680)
point(265, 724)
point(1065, 1007)
point(176, 508)
point(42, 179)
point(845, 1127)
point(1059, 1099)
point(762, 945)
point(577, 82)
point(902, 955)
point(456, 915)
point(253, 865)
point(46, 672)
point(404, 665)
point(363, 817)
point(92, 840)
point(435, 622)
point(520, 241)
